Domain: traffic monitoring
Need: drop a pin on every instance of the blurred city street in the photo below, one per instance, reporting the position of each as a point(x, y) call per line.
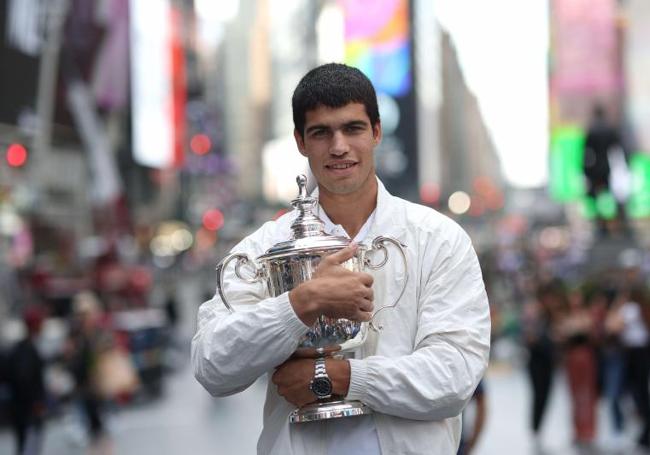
point(141, 140)
point(187, 420)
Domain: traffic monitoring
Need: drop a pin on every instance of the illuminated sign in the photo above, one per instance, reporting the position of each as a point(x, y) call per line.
point(377, 42)
point(157, 84)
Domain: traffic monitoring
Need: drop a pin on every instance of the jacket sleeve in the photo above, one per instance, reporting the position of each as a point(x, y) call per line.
point(231, 350)
point(451, 351)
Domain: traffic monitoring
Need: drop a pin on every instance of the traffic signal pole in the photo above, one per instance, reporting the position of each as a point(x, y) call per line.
point(47, 79)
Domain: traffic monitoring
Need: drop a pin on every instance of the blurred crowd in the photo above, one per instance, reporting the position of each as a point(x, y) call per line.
point(581, 317)
point(107, 345)
point(598, 332)
point(80, 363)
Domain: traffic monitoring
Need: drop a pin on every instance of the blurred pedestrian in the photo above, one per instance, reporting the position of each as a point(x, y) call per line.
point(26, 370)
point(614, 368)
point(602, 139)
point(634, 314)
point(576, 331)
point(540, 321)
point(473, 429)
point(87, 339)
point(171, 305)
point(176, 345)
point(598, 306)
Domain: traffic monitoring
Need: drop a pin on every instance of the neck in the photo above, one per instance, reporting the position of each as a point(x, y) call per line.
point(349, 210)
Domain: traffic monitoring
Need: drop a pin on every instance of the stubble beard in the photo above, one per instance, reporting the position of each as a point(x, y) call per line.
point(342, 188)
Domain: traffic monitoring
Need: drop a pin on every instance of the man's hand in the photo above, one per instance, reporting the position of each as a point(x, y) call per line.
point(293, 377)
point(334, 291)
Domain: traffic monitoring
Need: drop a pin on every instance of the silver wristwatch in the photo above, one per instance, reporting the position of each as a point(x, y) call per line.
point(321, 384)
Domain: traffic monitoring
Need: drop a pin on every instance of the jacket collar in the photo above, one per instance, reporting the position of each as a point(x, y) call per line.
point(389, 214)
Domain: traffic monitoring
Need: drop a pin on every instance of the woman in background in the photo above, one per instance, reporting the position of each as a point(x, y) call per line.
point(634, 316)
point(539, 323)
point(577, 330)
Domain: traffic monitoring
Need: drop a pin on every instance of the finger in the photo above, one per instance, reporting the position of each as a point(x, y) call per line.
point(364, 316)
point(369, 297)
point(275, 378)
point(366, 299)
point(343, 255)
point(366, 309)
point(366, 279)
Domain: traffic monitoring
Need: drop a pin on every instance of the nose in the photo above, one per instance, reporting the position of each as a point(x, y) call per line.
point(339, 145)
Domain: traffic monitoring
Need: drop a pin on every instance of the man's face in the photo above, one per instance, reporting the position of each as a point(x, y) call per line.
point(339, 144)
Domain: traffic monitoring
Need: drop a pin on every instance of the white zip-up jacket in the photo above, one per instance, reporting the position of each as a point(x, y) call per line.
point(417, 374)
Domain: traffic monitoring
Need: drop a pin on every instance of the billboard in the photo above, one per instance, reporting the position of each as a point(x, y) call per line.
point(378, 41)
point(157, 84)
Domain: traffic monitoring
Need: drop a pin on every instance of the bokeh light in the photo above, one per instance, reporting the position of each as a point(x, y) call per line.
point(213, 219)
point(16, 155)
point(459, 202)
point(200, 144)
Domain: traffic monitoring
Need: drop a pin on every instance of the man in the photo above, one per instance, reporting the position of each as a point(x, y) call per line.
point(473, 429)
point(601, 138)
point(418, 373)
point(26, 369)
point(603, 144)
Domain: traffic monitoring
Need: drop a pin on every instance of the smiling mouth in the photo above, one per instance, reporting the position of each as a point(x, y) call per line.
point(340, 165)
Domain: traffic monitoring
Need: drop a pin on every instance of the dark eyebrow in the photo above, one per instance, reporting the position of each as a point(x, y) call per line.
point(316, 127)
point(352, 123)
point(355, 123)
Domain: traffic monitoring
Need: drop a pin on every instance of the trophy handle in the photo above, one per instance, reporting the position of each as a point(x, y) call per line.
point(242, 259)
point(379, 243)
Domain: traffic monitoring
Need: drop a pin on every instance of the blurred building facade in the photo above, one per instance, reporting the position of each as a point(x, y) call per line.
point(467, 148)
point(76, 102)
point(597, 59)
point(235, 160)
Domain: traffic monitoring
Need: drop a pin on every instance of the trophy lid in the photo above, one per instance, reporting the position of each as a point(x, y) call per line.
point(307, 230)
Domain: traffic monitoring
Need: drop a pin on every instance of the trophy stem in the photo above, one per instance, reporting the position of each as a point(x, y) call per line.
point(334, 408)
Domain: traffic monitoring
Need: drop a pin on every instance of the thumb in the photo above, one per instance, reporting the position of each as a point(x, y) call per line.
point(343, 255)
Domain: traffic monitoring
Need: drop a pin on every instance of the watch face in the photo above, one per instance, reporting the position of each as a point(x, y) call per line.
point(322, 387)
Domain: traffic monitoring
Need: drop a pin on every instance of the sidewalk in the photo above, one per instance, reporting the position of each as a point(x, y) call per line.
point(188, 420)
point(507, 424)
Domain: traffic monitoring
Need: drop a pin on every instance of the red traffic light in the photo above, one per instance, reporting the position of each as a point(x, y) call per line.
point(213, 219)
point(200, 144)
point(16, 155)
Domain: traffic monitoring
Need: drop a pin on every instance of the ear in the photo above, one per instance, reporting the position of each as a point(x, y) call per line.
point(300, 142)
point(377, 132)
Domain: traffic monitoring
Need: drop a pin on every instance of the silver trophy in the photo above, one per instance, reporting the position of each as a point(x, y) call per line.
point(288, 264)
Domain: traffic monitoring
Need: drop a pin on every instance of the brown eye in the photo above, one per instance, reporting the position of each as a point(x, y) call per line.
point(351, 129)
point(319, 133)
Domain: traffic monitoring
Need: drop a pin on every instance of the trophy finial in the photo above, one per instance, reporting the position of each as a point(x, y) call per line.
point(306, 223)
point(301, 180)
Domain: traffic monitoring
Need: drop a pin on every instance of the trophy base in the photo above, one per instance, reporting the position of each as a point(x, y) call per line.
point(328, 410)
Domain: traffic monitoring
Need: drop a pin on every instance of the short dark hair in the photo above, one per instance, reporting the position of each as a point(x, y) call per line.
point(333, 85)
